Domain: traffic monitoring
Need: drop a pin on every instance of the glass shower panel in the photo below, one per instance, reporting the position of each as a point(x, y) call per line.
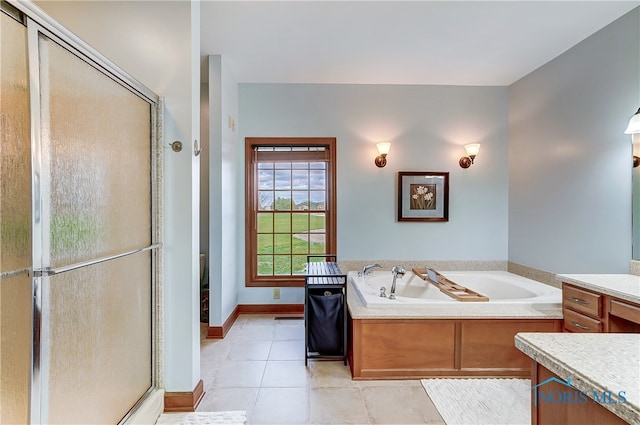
point(15, 224)
point(15, 354)
point(96, 186)
point(100, 333)
point(96, 138)
point(15, 148)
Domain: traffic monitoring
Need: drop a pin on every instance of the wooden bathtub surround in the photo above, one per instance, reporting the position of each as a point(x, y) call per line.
point(424, 348)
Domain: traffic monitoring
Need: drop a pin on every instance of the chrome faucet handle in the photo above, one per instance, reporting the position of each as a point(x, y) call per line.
point(367, 269)
point(383, 292)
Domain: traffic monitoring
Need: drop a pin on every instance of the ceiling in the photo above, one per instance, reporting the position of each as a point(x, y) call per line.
point(397, 42)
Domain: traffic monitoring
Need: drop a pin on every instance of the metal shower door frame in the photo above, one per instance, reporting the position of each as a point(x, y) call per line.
point(39, 23)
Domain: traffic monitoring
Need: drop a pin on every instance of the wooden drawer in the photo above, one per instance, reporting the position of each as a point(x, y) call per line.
point(576, 322)
point(628, 311)
point(582, 301)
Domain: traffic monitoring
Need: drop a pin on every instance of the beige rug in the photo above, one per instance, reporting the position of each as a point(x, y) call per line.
point(481, 401)
point(236, 417)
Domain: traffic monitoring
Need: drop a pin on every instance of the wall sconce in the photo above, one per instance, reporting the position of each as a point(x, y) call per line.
point(634, 128)
point(383, 150)
point(634, 124)
point(472, 150)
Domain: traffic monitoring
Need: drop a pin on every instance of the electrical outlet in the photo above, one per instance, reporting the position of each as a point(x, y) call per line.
point(276, 293)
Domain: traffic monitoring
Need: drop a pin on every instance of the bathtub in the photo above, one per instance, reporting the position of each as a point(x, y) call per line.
point(500, 287)
point(424, 333)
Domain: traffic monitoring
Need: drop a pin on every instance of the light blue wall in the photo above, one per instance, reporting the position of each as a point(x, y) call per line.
point(569, 161)
point(222, 153)
point(427, 126)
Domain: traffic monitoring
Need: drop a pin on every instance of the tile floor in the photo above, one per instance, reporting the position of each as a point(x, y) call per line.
point(259, 367)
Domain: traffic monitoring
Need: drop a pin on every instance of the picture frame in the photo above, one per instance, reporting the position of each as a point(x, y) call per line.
point(423, 196)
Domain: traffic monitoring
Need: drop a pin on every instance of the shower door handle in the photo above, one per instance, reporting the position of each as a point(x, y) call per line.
point(48, 271)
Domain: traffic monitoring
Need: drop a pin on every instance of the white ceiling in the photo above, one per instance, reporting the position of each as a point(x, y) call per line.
point(397, 42)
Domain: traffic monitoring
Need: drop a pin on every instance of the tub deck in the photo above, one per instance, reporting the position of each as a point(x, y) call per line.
point(450, 310)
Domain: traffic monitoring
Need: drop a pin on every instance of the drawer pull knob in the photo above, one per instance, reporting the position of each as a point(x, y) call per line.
point(579, 301)
point(579, 326)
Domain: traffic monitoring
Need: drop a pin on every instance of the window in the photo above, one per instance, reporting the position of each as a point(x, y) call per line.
point(290, 207)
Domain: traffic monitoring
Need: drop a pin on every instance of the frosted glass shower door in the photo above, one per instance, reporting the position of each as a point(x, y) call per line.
point(97, 285)
point(79, 246)
point(15, 224)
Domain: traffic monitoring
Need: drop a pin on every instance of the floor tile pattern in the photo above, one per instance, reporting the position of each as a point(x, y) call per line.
point(259, 368)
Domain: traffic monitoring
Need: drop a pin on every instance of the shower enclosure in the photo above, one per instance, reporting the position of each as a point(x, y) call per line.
point(79, 238)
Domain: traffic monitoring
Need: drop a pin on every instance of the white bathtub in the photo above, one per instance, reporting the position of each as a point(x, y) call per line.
point(500, 287)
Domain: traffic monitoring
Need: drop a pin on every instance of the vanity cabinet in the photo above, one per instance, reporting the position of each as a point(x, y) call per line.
point(566, 413)
point(623, 316)
point(575, 382)
point(585, 310)
point(581, 309)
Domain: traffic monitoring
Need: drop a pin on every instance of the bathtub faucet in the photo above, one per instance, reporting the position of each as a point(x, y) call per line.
point(367, 269)
point(396, 271)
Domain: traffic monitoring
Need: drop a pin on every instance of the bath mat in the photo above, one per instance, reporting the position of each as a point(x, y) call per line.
point(481, 401)
point(235, 417)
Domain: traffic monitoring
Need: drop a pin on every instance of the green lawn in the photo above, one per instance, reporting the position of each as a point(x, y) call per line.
point(278, 252)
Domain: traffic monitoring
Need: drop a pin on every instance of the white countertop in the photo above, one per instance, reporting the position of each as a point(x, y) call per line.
point(593, 362)
point(623, 286)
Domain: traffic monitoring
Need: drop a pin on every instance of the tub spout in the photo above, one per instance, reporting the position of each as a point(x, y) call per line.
point(367, 269)
point(396, 271)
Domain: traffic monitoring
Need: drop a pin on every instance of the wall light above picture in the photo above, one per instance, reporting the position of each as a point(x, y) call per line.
point(383, 150)
point(472, 150)
point(634, 124)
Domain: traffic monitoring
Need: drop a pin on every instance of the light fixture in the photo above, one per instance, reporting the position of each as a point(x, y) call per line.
point(383, 150)
point(472, 150)
point(634, 124)
point(634, 128)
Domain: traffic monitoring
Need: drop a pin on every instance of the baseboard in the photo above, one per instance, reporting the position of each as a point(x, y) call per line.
point(218, 332)
point(184, 401)
point(271, 308)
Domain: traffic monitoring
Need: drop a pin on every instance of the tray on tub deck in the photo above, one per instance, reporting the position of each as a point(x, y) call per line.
point(448, 287)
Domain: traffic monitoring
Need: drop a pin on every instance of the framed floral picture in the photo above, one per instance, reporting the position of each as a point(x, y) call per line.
point(423, 196)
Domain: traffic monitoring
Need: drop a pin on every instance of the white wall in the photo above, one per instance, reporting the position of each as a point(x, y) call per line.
point(224, 191)
point(427, 126)
point(569, 161)
point(159, 49)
